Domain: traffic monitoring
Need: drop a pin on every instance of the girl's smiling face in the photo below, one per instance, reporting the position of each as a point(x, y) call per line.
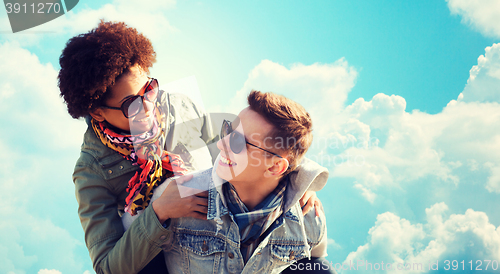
point(130, 84)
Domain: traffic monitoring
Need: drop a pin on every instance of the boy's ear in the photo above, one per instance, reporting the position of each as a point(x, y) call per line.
point(278, 167)
point(97, 114)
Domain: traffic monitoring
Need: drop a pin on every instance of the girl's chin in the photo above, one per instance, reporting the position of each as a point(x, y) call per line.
point(140, 127)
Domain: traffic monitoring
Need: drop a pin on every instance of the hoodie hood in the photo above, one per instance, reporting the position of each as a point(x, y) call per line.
point(307, 176)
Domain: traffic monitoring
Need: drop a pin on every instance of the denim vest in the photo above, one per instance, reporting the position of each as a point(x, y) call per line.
point(213, 245)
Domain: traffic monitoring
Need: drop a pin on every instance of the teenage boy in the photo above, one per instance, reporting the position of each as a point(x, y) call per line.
point(254, 221)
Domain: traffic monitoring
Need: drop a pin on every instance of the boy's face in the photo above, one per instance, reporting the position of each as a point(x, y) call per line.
point(251, 163)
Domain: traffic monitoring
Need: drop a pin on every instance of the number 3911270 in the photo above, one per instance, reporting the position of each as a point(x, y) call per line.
point(471, 265)
point(33, 8)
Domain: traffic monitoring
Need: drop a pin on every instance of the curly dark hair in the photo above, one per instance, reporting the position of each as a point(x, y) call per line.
point(94, 61)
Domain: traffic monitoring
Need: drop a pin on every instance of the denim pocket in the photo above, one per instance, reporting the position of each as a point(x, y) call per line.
point(201, 253)
point(203, 245)
point(288, 252)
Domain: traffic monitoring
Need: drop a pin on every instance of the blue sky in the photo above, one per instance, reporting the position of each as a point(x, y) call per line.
point(404, 96)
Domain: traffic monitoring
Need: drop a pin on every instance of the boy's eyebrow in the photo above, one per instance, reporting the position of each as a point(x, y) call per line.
point(235, 123)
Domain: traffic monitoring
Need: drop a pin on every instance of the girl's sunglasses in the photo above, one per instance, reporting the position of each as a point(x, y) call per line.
point(133, 105)
point(237, 141)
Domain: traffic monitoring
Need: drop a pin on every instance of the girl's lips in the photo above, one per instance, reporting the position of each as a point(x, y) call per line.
point(143, 120)
point(148, 117)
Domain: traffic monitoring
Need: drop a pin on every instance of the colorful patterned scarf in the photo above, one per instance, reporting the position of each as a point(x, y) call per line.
point(253, 224)
point(149, 154)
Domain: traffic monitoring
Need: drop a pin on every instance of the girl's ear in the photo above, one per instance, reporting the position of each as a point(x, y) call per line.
point(97, 114)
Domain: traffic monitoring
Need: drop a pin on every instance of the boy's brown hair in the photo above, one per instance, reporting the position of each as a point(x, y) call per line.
point(292, 133)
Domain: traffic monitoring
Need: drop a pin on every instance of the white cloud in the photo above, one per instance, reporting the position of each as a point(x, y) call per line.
point(378, 143)
point(29, 242)
point(493, 184)
point(333, 244)
point(483, 15)
point(367, 193)
point(4, 21)
point(35, 186)
point(416, 145)
point(147, 16)
point(47, 271)
point(407, 151)
point(35, 175)
point(468, 131)
point(395, 240)
point(306, 84)
point(483, 84)
point(30, 100)
point(473, 165)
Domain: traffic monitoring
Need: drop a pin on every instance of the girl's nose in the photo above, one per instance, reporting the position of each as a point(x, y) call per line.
point(148, 106)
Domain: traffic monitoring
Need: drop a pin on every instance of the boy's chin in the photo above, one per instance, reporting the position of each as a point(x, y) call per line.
point(224, 172)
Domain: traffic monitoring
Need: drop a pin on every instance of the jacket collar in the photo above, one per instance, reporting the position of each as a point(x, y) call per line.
point(217, 206)
point(307, 174)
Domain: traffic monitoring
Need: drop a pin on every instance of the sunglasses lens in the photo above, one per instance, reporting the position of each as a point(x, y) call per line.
point(226, 129)
point(151, 92)
point(237, 142)
point(132, 106)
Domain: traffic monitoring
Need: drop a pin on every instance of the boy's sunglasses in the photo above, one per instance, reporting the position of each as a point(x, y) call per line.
point(133, 105)
point(237, 141)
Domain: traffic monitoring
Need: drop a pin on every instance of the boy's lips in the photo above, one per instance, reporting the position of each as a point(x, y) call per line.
point(225, 161)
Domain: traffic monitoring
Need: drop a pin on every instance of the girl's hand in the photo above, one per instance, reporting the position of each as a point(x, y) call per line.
point(172, 205)
point(308, 201)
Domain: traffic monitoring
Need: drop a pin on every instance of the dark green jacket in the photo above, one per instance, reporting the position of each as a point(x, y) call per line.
point(101, 176)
